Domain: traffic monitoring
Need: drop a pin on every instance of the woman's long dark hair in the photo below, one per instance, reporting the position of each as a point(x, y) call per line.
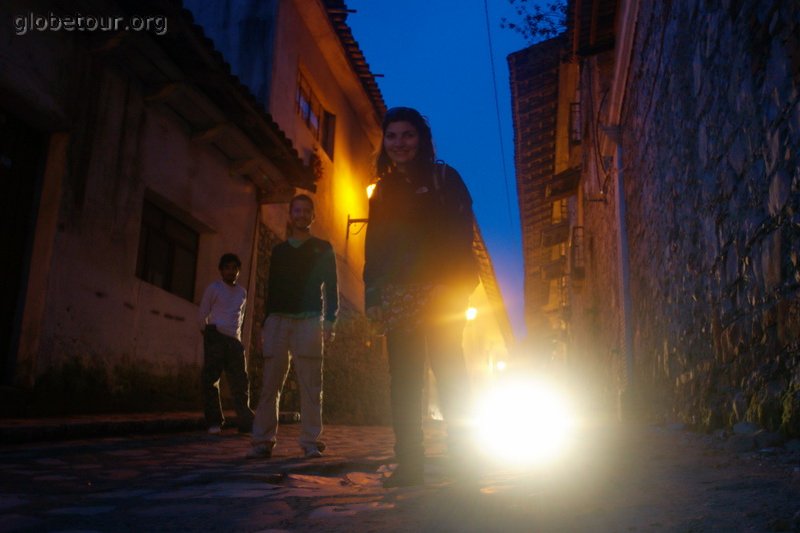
point(425, 159)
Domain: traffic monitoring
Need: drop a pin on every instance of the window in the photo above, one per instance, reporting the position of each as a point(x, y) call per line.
point(319, 121)
point(308, 107)
point(167, 252)
point(328, 133)
point(575, 123)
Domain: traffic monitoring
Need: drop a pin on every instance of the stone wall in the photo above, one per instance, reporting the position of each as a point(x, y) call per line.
point(711, 141)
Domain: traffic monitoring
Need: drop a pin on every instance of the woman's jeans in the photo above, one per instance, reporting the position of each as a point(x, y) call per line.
point(440, 340)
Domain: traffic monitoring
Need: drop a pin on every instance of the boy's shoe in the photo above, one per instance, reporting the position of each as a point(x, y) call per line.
point(312, 452)
point(405, 476)
point(215, 430)
point(259, 451)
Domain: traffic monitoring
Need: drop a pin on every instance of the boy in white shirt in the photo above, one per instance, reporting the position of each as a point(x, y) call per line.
point(221, 315)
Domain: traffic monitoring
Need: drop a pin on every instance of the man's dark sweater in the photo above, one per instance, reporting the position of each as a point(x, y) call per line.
point(296, 277)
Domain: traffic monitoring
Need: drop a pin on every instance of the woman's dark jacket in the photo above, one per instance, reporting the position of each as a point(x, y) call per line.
point(420, 231)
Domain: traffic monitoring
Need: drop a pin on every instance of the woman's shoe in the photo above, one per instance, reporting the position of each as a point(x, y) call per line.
point(405, 476)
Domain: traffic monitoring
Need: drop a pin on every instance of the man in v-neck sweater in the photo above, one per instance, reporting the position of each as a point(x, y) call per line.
point(302, 302)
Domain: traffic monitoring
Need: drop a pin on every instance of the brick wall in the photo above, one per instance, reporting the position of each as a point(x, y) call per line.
point(534, 86)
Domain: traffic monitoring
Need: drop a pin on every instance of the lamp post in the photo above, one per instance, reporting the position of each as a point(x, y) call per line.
point(369, 190)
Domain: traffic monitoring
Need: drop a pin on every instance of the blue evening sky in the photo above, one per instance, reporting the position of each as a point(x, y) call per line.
point(434, 56)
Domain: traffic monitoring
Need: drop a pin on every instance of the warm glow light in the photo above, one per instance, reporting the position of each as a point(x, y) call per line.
point(471, 313)
point(501, 365)
point(370, 189)
point(524, 422)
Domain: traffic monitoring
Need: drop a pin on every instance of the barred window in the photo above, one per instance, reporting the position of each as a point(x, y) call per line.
point(167, 252)
point(308, 106)
point(328, 133)
point(319, 121)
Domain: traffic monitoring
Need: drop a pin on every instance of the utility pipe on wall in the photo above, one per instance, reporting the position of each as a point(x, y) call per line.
point(628, 13)
point(623, 258)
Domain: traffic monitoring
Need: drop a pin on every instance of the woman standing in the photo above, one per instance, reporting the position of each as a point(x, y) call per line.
point(419, 272)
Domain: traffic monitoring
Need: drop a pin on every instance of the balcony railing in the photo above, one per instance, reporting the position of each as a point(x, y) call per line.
point(563, 185)
point(555, 234)
point(554, 269)
point(575, 134)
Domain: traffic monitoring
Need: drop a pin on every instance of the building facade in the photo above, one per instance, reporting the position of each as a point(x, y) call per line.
point(139, 161)
point(135, 159)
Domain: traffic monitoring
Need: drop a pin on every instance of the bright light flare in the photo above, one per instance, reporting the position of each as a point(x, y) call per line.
point(471, 313)
point(370, 189)
point(524, 422)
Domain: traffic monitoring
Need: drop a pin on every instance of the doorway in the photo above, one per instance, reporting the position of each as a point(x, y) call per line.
point(22, 152)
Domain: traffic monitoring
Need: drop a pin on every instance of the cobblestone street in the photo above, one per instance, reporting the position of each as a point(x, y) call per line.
point(613, 479)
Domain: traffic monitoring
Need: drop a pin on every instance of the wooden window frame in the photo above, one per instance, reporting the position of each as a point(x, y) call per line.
point(162, 268)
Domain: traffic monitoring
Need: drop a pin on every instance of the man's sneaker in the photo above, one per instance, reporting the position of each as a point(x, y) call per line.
point(214, 430)
point(259, 451)
point(312, 452)
point(405, 476)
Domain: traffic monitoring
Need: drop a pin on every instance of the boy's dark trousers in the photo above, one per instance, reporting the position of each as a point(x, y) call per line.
point(224, 353)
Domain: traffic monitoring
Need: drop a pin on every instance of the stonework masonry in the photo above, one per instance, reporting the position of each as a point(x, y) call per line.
point(711, 144)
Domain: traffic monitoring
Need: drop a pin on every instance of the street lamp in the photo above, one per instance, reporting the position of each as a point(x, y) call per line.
point(363, 221)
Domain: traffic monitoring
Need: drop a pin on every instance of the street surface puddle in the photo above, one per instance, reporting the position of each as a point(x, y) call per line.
point(495, 489)
point(81, 511)
point(129, 453)
point(364, 479)
point(51, 462)
point(54, 478)
point(306, 481)
point(121, 494)
point(9, 501)
point(309, 486)
point(331, 511)
point(119, 474)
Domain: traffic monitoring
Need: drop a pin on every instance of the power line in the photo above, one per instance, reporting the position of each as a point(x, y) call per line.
point(497, 109)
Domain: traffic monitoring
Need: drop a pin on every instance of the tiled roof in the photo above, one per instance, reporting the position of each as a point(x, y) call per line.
point(534, 98)
point(492, 287)
point(337, 12)
point(591, 22)
point(203, 65)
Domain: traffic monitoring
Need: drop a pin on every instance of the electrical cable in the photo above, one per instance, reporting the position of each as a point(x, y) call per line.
point(497, 109)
